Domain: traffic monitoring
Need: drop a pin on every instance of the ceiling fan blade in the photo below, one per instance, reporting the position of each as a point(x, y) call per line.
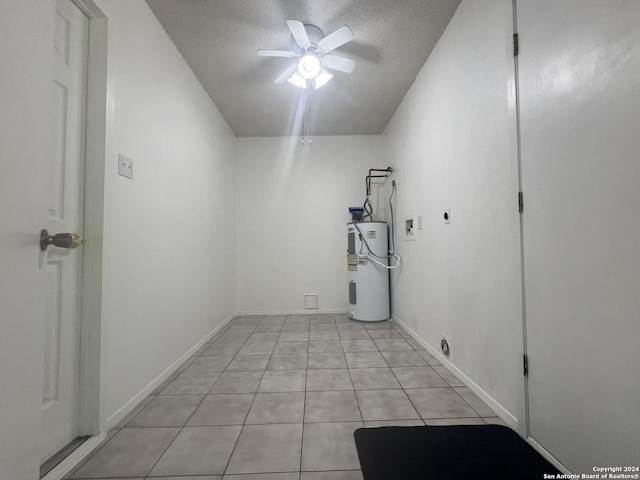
point(276, 53)
point(336, 62)
point(299, 33)
point(284, 76)
point(335, 39)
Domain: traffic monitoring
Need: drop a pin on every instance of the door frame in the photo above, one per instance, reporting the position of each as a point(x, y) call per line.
point(523, 427)
point(89, 418)
point(89, 422)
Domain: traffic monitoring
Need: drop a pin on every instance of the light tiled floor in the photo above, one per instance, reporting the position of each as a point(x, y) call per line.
point(278, 397)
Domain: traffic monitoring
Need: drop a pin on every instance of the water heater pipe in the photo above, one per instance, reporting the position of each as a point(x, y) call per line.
point(367, 202)
point(388, 170)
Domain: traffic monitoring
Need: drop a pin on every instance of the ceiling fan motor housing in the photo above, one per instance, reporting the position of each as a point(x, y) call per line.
point(315, 35)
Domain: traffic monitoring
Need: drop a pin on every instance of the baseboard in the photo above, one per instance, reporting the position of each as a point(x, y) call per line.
point(128, 407)
point(328, 311)
point(499, 409)
point(74, 458)
point(550, 458)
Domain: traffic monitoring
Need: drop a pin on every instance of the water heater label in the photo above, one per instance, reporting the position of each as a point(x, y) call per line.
point(352, 262)
point(371, 234)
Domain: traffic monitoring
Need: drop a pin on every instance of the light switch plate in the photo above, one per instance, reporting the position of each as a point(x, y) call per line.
point(125, 166)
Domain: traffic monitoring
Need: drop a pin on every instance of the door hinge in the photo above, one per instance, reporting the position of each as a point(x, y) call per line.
point(516, 45)
point(525, 364)
point(520, 202)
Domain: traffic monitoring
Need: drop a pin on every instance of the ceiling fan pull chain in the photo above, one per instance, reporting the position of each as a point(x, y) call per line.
point(306, 113)
point(309, 115)
point(304, 120)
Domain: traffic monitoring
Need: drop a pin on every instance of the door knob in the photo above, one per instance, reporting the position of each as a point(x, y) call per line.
point(62, 240)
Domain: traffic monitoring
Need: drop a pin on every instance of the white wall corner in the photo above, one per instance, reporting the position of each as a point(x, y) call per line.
point(131, 405)
point(502, 412)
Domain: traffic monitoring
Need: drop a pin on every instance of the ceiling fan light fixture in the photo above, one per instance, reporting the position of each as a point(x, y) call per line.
point(322, 78)
point(309, 66)
point(298, 80)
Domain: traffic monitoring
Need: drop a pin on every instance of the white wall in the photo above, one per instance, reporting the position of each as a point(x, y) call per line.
point(292, 210)
point(26, 38)
point(169, 255)
point(453, 144)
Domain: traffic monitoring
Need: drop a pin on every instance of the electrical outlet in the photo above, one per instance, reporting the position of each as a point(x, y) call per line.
point(125, 166)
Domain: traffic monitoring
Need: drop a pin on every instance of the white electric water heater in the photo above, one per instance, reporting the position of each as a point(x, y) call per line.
point(367, 252)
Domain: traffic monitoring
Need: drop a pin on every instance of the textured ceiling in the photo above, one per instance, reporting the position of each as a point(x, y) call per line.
point(219, 39)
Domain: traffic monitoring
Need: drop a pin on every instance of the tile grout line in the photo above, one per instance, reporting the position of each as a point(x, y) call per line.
point(344, 335)
point(200, 403)
point(400, 384)
point(353, 384)
point(404, 389)
point(421, 418)
point(450, 387)
point(244, 423)
point(304, 404)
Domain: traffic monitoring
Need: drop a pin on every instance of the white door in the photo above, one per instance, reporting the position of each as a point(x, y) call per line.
point(63, 265)
point(579, 70)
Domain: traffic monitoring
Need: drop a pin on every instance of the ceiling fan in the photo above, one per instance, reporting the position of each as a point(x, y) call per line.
point(313, 50)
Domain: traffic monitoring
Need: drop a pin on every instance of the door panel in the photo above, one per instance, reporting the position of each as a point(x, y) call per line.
point(64, 266)
point(579, 70)
point(52, 335)
point(56, 202)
